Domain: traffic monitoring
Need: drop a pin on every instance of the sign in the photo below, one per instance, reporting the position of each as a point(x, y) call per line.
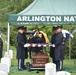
point(42, 19)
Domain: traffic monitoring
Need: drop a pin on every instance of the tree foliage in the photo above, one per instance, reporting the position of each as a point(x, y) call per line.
point(14, 7)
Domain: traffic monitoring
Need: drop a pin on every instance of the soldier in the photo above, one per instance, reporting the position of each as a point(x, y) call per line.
point(1, 47)
point(59, 48)
point(21, 51)
point(30, 41)
point(52, 49)
point(37, 40)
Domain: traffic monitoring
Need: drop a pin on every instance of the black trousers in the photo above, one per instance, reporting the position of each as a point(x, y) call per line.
point(20, 63)
point(61, 64)
point(57, 64)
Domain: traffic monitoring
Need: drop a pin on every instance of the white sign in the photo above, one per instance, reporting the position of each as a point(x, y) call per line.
point(47, 18)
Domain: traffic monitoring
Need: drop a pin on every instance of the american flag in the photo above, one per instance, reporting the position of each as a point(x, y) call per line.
point(67, 34)
point(37, 45)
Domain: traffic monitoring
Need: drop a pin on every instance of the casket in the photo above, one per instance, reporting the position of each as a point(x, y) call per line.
point(39, 60)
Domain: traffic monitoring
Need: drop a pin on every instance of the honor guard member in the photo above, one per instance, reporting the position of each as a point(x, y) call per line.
point(1, 47)
point(21, 51)
point(62, 49)
point(52, 49)
point(37, 40)
point(58, 50)
point(30, 48)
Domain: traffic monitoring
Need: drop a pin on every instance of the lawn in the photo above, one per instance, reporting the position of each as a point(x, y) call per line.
point(68, 65)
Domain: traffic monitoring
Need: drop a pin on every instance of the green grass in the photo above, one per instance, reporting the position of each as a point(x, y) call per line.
point(68, 66)
point(67, 63)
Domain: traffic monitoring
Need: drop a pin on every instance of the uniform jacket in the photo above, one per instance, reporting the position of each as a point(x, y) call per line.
point(37, 40)
point(21, 51)
point(52, 49)
point(59, 47)
point(1, 47)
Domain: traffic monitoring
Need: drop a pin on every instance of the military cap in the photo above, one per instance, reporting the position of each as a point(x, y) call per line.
point(25, 28)
point(21, 27)
point(54, 28)
point(60, 26)
point(57, 27)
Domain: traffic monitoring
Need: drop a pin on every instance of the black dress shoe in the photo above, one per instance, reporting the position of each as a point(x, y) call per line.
point(58, 69)
point(20, 69)
point(24, 68)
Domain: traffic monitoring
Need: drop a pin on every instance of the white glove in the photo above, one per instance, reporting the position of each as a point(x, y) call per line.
point(26, 45)
point(53, 45)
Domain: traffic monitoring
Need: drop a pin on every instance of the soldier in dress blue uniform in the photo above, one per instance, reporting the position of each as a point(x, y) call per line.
point(52, 49)
point(30, 41)
point(21, 51)
point(1, 47)
point(58, 53)
point(37, 40)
